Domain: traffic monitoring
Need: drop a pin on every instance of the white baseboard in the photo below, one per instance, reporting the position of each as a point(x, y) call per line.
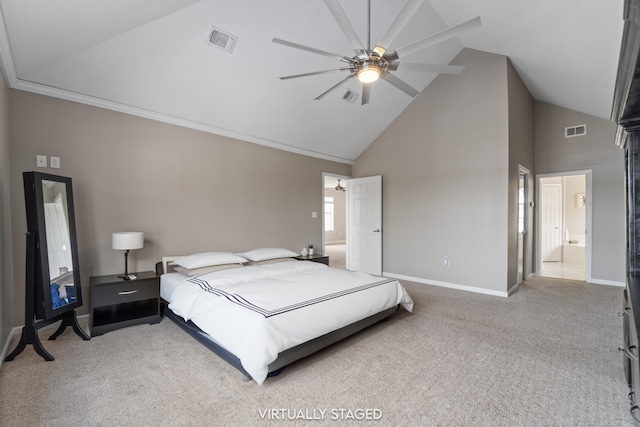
point(447, 285)
point(607, 282)
point(513, 289)
point(600, 282)
point(5, 348)
point(17, 330)
point(335, 242)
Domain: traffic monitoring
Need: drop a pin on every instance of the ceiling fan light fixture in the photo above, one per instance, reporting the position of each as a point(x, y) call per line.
point(369, 65)
point(369, 72)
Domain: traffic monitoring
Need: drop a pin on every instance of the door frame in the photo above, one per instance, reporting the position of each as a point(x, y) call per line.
point(524, 245)
point(588, 217)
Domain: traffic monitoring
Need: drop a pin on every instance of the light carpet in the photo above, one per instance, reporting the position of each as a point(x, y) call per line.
point(547, 355)
point(337, 255)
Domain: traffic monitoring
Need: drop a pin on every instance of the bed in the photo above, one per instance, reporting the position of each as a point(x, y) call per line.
point(262, 309)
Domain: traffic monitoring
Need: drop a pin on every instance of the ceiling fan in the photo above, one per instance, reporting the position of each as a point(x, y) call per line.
point(339, 187)
point(368, 64)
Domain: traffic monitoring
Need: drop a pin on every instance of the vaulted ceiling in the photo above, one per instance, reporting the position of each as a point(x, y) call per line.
point(153, 58)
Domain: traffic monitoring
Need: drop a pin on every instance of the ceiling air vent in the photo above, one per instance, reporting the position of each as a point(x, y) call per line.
point(222, 39)
point(350, 96)
point(572, 131)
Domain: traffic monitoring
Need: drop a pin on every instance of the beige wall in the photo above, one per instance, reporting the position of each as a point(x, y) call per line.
point(444, 163)
point(6, 268)
point(595, 151)
point(450, 170)
point(188, 191)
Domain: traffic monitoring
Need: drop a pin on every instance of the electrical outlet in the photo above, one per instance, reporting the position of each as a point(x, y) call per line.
point(41, 161)
point(55, 162)
point(446, 261)
point(314, 214)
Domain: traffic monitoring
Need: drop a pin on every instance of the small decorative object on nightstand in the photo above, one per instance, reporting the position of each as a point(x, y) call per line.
point(116, 302)
point(323, 259)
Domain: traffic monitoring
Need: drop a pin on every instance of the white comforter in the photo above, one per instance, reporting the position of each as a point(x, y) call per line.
point(256, 312)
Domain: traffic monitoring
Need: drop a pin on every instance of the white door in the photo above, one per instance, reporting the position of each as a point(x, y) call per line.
point(551, 223)
point(364, 225)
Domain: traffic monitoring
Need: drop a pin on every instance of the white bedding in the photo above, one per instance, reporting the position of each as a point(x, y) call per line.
point(256, 312)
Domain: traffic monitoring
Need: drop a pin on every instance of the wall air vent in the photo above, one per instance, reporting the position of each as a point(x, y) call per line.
point(572, 131)
point(222, 39)
point(350, 96)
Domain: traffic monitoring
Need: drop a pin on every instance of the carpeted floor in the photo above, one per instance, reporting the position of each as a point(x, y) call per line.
point(547, 355)
point(337, 255)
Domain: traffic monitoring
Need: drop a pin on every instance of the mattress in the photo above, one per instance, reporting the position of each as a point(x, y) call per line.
point(257, 312)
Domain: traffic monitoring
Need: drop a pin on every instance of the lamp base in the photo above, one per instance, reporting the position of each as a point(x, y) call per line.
point(126, 275)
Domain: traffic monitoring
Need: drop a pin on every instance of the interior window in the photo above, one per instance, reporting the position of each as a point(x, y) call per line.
point(328, 214)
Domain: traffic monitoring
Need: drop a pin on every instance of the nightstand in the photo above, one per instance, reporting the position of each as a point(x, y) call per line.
point(116, 303)
point(323, 259)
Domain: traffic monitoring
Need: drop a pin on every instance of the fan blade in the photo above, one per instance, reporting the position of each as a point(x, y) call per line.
point(390, 78)
point(342, 20)
point(432, 39)
point(312, 50)
point(398, 24)
point(366, 93)
point(332, 88)
point(427, 68)
point(313, 73)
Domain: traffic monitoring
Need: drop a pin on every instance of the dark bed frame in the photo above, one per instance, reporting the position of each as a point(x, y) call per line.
point(288, 356)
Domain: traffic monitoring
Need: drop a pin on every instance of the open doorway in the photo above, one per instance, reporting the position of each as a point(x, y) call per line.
point(564, 222)
point(334, 219)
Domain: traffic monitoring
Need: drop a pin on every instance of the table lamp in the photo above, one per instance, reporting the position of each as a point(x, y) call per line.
point(126, 241)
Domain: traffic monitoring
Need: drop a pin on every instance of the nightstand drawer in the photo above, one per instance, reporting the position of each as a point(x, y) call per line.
point(125, 292)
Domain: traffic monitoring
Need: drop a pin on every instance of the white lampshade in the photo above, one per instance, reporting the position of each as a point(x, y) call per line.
point(126, 240)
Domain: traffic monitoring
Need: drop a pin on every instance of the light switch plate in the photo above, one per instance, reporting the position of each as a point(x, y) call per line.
point(41, 161)
point(55, 162)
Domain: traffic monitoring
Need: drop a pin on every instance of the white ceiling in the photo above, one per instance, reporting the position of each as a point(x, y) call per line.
point(152, 58)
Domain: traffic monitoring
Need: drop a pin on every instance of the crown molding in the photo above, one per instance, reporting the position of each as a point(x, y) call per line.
point(13, 82)
point(40, 89)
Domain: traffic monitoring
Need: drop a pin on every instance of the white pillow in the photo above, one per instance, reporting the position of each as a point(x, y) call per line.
point(270, 261)
point(209, 258)
point(268, 253)
point(203, 270)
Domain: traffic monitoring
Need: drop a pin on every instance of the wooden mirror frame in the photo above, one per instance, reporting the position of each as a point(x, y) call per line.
point(35, 198)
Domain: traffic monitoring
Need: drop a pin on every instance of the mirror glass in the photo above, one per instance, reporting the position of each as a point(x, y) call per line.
point(58, 238)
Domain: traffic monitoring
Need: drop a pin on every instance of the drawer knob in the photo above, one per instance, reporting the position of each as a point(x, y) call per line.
point(128, 292)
